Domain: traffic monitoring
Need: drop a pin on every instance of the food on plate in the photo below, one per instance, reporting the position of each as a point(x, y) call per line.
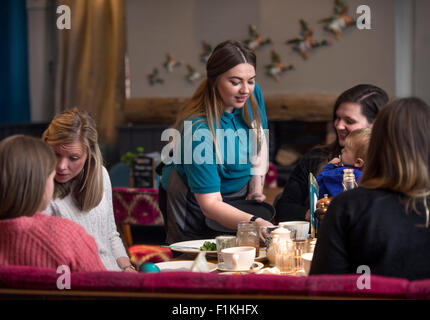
point(208, 246)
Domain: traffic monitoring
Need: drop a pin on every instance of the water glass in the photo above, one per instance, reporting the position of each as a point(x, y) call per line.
point(284, 255)
point(248, 235)
point(223, 242)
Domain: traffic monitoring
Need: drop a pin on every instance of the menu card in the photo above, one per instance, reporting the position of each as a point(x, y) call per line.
point(313, 196)
point(144, 172)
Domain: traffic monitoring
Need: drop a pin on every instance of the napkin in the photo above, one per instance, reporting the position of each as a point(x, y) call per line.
point(273, 270)
point(200, 264)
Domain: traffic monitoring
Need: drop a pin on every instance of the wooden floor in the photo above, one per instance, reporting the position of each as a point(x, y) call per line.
point(271, 193)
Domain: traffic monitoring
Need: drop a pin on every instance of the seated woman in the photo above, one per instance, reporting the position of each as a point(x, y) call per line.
point(83, 192)
point(28, 237)
point(384, 224)
point(355, 108)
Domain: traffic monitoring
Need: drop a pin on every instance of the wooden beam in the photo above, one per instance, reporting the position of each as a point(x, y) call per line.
point(279, 107)
point(152, 110)
point(300, 107)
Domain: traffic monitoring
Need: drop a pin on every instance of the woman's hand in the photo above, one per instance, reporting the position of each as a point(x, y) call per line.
point(260, 197)
point(255, 189)
point(263, 223)
point(125, 264)
point(130, 269)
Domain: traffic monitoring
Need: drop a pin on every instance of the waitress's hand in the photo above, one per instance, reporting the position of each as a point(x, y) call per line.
point(260, 197)
point(263, 223)
point(255, 189)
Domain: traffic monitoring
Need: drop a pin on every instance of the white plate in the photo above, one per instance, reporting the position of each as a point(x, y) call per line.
point(192, 246)
point(181, 266)
point(256, 266)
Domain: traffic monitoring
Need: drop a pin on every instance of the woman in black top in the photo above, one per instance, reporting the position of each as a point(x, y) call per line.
point(384, 223)
point(355, 108)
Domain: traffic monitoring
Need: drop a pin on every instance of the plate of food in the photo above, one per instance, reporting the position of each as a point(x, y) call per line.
point(195, 246)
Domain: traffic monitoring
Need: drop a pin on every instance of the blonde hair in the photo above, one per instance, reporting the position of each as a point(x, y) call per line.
point(359, 140)
point(398, 158)
point(206, 101)
point(25, 165)
point(77, 126)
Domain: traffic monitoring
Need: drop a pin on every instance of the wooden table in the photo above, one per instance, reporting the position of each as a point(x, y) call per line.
point(213, 259)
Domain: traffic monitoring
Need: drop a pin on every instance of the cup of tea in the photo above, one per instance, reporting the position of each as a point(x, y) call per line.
point(238, 258)
point(300, 229)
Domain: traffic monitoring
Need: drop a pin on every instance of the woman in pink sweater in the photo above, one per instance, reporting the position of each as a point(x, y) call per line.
point(28, 237)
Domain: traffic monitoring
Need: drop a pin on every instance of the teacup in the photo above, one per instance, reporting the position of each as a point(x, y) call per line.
point(238, 258)
point(300, 229)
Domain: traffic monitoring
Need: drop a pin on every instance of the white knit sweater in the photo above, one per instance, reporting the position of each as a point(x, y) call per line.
point(98, 222)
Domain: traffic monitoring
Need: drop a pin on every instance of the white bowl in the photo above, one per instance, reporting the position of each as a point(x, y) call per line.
point(300, 229)
point(307, 260)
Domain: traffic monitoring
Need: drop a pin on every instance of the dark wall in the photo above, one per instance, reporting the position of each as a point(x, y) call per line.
point(31, 129)
point(299, 135)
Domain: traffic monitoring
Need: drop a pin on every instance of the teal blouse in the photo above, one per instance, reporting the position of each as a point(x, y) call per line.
point(199, 168)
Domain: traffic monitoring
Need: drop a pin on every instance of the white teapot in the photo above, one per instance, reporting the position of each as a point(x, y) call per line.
point(278, 242)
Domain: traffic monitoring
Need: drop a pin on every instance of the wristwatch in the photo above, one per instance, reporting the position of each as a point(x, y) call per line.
point(254, 218)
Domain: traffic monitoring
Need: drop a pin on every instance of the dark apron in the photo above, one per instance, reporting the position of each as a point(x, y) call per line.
point(186, 220)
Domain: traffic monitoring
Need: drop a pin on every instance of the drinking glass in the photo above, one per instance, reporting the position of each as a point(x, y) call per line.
point(284, 255)
point(248, 235)
point(223, 242)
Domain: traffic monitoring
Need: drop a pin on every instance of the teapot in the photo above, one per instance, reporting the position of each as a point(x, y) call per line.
point(278, 241)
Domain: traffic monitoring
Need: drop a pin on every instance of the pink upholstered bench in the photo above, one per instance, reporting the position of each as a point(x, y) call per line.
point(22, 281)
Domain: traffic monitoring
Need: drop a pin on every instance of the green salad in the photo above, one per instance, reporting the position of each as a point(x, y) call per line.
point(208, 246)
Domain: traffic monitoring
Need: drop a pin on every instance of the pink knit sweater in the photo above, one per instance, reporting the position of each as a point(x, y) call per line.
point(45, 241)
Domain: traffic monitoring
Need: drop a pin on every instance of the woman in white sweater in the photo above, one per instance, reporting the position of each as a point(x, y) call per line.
point(83, 191)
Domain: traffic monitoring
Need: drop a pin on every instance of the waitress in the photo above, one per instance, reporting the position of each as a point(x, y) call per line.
point(212, 169)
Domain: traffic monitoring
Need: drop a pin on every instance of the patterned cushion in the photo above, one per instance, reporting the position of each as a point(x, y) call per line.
point(136, 206)
point(142, 253)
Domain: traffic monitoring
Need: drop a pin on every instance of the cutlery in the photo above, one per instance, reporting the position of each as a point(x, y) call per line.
point(182, 247)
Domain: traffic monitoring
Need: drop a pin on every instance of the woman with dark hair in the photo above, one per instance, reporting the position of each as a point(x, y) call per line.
point(83, 192)
point(384, 223)
point(212, 169)
point(356, 108)
point(28, 237)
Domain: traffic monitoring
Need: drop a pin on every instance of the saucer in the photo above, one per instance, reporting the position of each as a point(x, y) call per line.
point(255, 267)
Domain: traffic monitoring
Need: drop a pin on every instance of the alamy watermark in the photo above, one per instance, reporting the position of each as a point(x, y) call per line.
point(64, 21)
point(363, 281)
point(230, 147)
point(364, 21)
point(64, 280)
